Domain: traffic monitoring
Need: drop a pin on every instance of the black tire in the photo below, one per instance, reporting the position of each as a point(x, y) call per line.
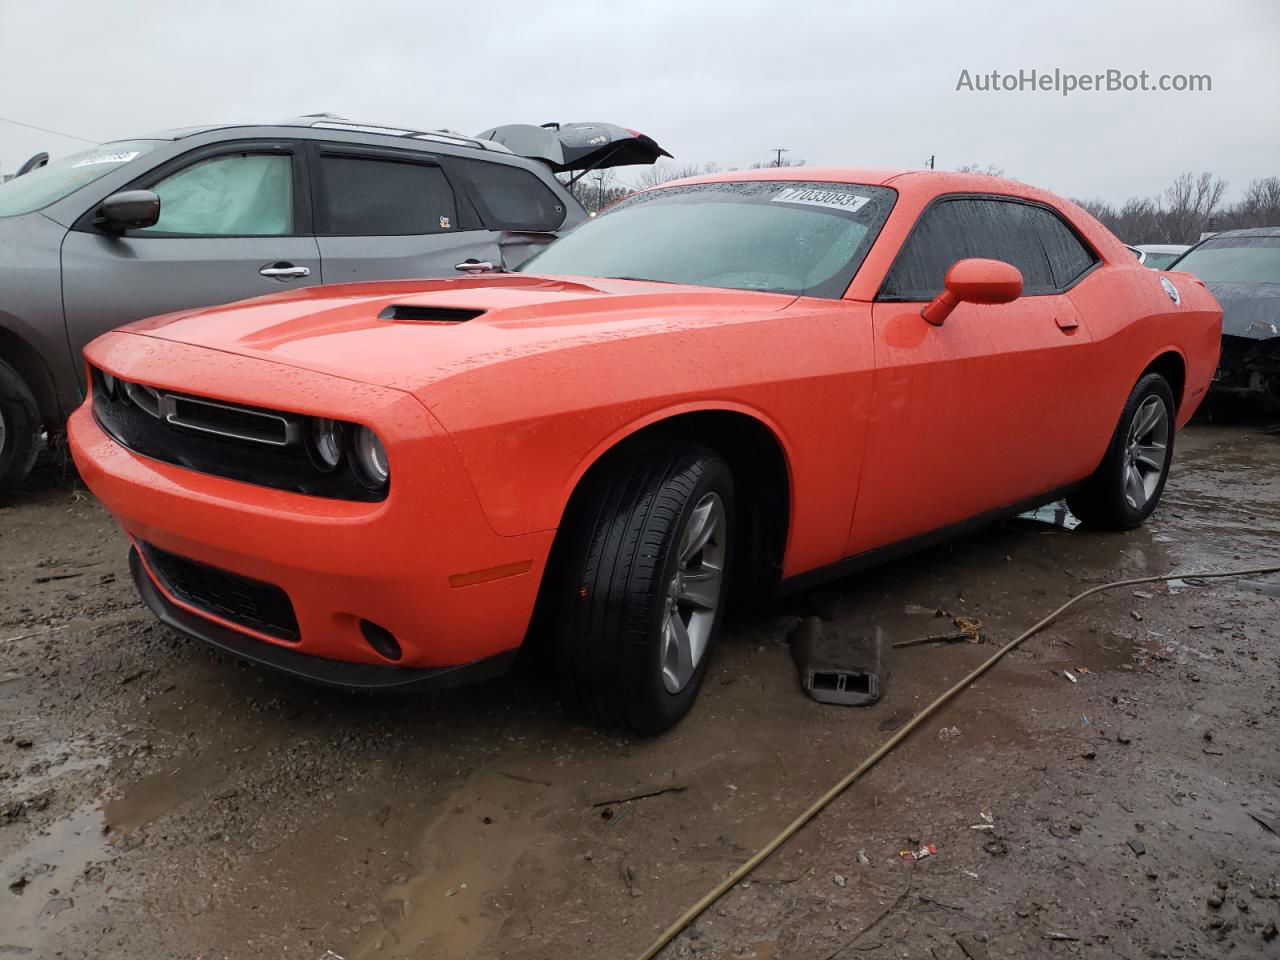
point(611, 594)
point(1102, 500)
point(19, 430)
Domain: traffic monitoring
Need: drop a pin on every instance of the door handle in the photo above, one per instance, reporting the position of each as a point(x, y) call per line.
point(285, 271)
point(473, 266)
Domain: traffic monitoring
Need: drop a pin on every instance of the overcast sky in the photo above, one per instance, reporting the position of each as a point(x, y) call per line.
point(723, 80)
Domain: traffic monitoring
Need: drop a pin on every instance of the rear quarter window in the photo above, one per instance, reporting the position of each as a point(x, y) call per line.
point(510, 198)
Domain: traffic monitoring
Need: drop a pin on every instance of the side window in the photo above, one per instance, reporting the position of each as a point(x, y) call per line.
point(1068, 256)
point(510, 198)
point(957, 229)
point(235, 195)
point(366, 197)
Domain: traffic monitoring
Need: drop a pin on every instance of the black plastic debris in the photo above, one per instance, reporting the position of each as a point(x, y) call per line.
point(841, 663)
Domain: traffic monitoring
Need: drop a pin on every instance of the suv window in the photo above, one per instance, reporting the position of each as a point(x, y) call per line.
point(510, 198)
point(955, 229)
point(367, 197)
point(1068, 256)
point(235, 195)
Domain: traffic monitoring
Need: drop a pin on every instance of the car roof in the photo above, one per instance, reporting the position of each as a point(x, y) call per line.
point(1248, 232)
point(329, 121)
point(934, 181)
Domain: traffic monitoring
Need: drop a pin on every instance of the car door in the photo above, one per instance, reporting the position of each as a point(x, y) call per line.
point(234, 223)
point(384, 214)
point(974, 415)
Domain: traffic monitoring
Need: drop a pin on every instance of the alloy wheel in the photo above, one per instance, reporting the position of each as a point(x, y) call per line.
point(1146, 452)
point(693, 593)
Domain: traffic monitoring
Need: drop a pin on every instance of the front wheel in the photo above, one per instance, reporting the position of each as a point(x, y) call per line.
point(1127, 485)
point(643, 589)
point(19, 429)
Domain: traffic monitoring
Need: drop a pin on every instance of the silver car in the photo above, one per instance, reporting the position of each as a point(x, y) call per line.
point(209, 215)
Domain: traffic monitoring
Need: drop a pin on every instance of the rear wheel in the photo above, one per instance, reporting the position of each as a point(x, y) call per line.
point(1126, 487)
point(19, 430)
point(641, 593)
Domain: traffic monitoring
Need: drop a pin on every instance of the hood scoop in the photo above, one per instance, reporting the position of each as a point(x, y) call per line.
point(415, 313)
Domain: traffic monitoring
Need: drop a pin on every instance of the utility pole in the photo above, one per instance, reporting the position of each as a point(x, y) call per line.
point(931, 161)
point(779, 151)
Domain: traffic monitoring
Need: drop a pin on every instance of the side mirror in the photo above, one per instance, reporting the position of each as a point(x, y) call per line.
point(129, 210)
point(974, 281)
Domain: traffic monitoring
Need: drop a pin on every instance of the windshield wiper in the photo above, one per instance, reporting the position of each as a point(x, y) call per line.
point(639, 279)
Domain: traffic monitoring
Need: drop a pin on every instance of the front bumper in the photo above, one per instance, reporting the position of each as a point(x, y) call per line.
point(423, 564)
point(330, 673)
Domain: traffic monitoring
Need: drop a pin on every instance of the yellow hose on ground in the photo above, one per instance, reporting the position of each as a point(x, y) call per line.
point(725, 885)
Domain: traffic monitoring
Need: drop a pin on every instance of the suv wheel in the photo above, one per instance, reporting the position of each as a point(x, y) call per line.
point(643, 590)
point(19, 430)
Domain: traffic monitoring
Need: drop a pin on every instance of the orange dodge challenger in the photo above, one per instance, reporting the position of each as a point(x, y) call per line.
point(749, 380)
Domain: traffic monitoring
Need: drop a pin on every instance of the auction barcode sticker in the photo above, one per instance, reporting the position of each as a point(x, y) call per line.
point(822, 198)
point(123, 156)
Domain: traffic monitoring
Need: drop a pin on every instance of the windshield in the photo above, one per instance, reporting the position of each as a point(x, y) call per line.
point(1234, 260)
point(780, 236)
point(39, 188)
point(1158, 261)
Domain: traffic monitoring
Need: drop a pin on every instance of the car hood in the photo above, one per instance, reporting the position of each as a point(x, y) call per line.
point(1249, 310)
point(409, 334)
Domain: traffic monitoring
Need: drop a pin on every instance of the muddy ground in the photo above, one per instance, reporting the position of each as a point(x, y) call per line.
point(161, 800)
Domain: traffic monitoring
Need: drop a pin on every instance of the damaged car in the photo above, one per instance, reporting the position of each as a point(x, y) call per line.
point(721, 388)
point(1242, 269)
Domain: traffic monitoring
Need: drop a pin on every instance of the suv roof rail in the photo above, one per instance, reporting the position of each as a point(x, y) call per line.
point(332, 121)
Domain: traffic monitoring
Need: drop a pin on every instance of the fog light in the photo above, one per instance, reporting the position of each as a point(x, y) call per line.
point(381, 639)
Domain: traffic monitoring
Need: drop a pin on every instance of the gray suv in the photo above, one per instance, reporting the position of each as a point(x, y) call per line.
point(208, 215)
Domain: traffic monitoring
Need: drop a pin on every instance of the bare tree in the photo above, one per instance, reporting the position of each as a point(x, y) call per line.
point(1260, 206)
point(597, 189)
point(778, 162)
point(1188, 205)
point(990, 170)
point(664, 171)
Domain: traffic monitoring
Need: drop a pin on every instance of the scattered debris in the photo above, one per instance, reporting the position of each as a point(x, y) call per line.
point(1268, 825)
point(840, 880)
point(1137, 846)
point(863, 859)
point(970, 627)
point(516, 776)
point(948, 733)
point(679, 788)
point(1269, 931)
point(988, 822)
point(1135, 614)
point(839, 665)
point(1058, 936)
point(1070, 676)
point(1143, 595)
point(997, 848)
point(940, 638)
point(919, 853)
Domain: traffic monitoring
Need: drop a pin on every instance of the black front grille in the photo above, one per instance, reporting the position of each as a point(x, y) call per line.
point(250, 603)
point(264, 447)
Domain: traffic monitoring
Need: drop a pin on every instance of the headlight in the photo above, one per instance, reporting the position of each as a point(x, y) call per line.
point(326, 443)
point(109, 385)
point(371, 458)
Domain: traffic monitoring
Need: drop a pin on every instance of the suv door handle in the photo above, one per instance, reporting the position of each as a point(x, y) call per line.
point(285, 271)
point(473, 266)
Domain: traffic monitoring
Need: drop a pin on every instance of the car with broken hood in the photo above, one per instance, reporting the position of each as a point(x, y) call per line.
point(720, 388)
point(207, 215)
point(1242, 269)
